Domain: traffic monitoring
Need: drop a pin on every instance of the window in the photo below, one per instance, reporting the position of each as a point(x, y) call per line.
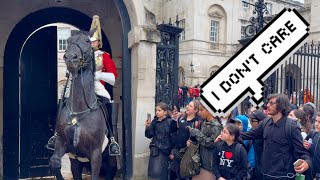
point(182, 24)
point(269, 8)
point(214, 31)
point(63, 35)
point(182, 77)
point(243, 32)
point(245, 4)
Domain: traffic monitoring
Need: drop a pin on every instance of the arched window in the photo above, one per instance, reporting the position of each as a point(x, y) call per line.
point(182, 76)
point(218, 24)
point(212, 70)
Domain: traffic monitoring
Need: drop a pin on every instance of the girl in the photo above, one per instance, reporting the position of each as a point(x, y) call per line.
point(159, 129)
point(210, 130)
point(231, 157)
point(191, 119)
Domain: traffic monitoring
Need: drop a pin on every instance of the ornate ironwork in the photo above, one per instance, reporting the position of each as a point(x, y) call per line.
point(167, 64)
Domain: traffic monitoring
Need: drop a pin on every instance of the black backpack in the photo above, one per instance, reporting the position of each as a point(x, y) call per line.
point(288, 128)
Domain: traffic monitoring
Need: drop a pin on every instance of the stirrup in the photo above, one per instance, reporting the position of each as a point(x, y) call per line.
point(114, 148)
point(51, 142)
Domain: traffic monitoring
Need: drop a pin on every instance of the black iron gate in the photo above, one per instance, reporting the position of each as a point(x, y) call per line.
point(167, 64)
point(38, 101)
point(298, 77)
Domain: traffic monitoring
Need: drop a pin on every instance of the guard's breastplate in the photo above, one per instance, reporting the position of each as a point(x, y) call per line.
point(98, 55)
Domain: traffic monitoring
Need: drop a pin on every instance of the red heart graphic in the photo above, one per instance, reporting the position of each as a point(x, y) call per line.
point(228, 155)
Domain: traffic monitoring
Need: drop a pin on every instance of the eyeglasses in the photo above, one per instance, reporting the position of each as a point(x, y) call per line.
point(224, 132)
point(253, 120)
point(272, 103)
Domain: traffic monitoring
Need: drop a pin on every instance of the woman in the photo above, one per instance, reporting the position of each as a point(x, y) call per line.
point(189, 119)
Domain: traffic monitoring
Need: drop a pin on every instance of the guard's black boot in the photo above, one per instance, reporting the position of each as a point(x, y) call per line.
point(51, 142)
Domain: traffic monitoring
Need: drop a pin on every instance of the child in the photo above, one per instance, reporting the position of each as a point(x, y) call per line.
point(159, 130)
point(210, 130)
point(231, 157)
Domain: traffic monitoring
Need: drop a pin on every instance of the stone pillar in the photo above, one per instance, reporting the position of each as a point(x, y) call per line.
point(142, 42)
point(315, 21)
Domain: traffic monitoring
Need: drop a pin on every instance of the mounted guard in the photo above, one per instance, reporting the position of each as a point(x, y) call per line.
point(82, 121)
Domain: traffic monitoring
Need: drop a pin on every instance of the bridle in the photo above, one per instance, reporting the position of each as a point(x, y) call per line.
point(85, 60)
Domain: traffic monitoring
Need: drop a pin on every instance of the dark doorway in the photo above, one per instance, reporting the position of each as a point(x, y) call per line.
point(290, 83)
point(38, 100)
point(11, 91)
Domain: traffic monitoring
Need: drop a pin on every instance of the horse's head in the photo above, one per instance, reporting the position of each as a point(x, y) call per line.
point(79, 53)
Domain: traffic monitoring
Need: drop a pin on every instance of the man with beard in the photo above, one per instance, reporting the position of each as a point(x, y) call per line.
point(279, 151)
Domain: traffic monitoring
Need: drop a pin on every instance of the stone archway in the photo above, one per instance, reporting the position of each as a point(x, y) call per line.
point(20, 32)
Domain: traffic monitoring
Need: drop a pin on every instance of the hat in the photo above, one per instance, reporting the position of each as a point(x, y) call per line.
point(97, 34)
point(243, 119)
point(259, 115)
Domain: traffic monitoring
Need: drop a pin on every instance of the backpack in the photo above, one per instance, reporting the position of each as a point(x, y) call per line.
point(288, 128)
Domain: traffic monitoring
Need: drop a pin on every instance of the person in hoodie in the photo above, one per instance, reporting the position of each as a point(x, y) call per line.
point(189, 119)
point(159, 131)
point(242, 122)
point(227, 165)
point(210, 130)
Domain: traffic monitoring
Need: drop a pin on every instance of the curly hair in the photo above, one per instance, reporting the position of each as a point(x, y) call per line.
point(282, 102)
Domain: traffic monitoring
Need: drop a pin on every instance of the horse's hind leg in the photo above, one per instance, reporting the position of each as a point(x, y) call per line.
point(55, 160)
point(76, 169)
point(95, 162)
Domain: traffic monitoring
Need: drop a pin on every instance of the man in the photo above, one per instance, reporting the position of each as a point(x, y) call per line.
point(278, 154)
point(255, 118)
point(105, 76)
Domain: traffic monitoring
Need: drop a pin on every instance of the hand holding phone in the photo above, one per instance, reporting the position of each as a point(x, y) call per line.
point(297, 163)
point(148, 121)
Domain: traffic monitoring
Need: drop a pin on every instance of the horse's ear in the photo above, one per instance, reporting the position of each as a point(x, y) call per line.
point(92, 31)
point(74, 32)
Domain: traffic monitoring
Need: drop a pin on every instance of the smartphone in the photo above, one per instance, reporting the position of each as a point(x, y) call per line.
point(297, 163)
point(149, 116)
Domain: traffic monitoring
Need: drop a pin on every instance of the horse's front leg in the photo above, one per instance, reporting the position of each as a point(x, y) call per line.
point(95, 162)
point(55, 160)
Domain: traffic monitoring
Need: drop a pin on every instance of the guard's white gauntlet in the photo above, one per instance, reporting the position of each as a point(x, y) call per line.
point(105, 76)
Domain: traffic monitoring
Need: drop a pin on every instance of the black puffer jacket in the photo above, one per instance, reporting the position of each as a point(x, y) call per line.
point(160, 132)
point(205, 137)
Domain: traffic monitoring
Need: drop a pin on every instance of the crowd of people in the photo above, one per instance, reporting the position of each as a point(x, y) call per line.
point(187, 94)
point(276, 141)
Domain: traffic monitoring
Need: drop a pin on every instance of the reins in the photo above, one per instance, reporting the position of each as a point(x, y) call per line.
point(83, 64)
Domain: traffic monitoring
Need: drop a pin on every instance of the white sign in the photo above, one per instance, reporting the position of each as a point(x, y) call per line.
point(243, 75)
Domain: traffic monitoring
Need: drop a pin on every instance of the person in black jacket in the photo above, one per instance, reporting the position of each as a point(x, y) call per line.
point(280, 152)
point(228, 163)
point(190, 119)
point(159, 129)
point(255, 119)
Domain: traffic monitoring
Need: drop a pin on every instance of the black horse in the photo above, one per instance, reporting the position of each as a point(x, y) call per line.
point(81, 126)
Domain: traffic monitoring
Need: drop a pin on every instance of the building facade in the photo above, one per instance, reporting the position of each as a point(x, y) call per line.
point(212, 30)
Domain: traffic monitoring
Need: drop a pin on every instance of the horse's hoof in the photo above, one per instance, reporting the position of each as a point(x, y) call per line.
point(55, 162)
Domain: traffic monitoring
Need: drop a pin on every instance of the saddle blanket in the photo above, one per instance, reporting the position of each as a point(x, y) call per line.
point(82, 159)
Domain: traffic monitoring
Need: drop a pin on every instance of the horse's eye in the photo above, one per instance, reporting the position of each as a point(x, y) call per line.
point(88, 40)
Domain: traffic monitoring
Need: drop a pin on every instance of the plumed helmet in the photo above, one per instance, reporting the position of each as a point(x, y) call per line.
point(97, 34)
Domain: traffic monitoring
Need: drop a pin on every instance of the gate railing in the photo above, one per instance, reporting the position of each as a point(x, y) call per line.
point(298, 77)
point(167, 64)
